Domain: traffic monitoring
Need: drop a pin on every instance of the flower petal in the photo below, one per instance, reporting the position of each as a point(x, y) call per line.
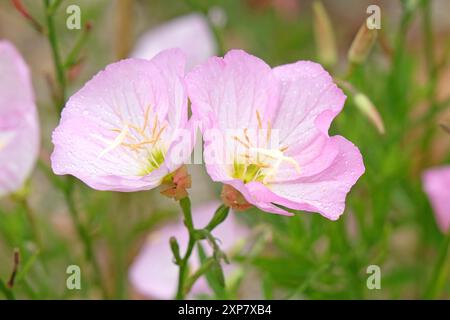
point(19, 127)
point(326, 191)
point(228, 91)
point(309, 101)
point(191, 33)
point(437, 186)
point(126, 95)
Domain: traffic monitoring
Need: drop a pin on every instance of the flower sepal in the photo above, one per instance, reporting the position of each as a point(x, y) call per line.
point(175, 184)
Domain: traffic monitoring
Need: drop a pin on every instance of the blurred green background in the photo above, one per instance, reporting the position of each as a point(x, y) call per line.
point(388, 220)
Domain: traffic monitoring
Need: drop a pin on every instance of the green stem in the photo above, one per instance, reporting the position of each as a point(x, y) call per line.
point(67, 187)
point(432, 71)
point(185, 204)
point(53, 40)
point(6, 291)
point(84, 235)
point(32, 221)
point(185, 282)
point(440, 271)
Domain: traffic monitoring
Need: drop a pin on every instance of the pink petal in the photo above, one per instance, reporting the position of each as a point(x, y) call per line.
point(228, 91)
point(19, 127)
point(118, 95)
point(326, 191)
point(309, 101)
point(437, 186)
point(154, 274)
point(191, 33)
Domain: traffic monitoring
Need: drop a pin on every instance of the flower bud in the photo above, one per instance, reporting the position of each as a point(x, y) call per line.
point(362, 44)
point(175, 249)
point(324, 35)
point(369, 110)
point(446, 128)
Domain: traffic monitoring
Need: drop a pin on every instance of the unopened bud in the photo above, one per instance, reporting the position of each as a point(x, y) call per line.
point(219, 216)
point(324, 35)
point(445, 128)
point(175, 249)
point(369, 110)
point(362, 44)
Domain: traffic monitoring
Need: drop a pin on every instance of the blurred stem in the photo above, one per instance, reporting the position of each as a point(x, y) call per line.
point(23, 201)
point(68, 186)
point(218, 37)
point(440, 272)
point(83, 234)
point(55, 6)
point(124, 28)
point(432, 71)
point(6, 291)
point(72, 57)
point(53, 40)
point(196, 6)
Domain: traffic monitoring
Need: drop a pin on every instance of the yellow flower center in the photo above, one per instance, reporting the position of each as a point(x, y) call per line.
point(143, 142)
point(259, 162)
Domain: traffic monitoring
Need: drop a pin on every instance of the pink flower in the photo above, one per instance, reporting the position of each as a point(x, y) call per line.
point(19, 127)
point(436, 184)
point(191, 33)
point(154, 274)
point(266, 133)
point(127, 128)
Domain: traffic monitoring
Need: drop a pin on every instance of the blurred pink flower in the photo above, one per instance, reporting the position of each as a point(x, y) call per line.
point(154, 273)
point(191, 33)
point(19, 127)
point(436, 184)
point(128, 127)
point(274, 123)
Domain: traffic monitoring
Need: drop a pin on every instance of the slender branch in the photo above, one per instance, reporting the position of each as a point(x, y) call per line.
point(6, 291)
point(68, 186)
point(84, 235)
point(53, 40)
point(185, 204)
point(16, 262)
point(185, 282)
point(31, 220)
point(124, 31)
point(432, 71)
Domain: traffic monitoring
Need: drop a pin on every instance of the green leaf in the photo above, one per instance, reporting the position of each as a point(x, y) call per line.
point(212, 277)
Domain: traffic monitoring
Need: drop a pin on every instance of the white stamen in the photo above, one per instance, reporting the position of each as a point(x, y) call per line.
point(117, 141)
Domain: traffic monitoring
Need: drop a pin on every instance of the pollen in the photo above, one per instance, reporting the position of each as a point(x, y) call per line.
point(260, 162)
point(141, 142)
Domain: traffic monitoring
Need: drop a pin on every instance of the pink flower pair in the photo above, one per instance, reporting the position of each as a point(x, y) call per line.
point(265, 130)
